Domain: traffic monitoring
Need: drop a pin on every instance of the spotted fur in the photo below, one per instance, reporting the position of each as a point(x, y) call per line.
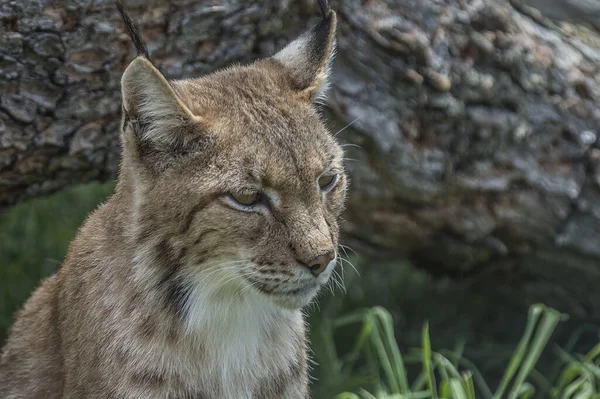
point(170, 290)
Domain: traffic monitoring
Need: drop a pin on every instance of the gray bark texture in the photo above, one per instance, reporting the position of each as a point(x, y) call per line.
point(476, 121)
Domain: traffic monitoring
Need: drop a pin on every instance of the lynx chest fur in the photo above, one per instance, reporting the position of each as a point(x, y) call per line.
point(189, 281)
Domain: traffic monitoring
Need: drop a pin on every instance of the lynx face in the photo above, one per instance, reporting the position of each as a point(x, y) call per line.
point(237, 184)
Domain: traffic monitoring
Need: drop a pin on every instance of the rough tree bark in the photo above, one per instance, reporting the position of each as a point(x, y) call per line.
point(477, 121)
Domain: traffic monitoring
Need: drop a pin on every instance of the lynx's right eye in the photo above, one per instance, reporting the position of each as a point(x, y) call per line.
point(246, 199)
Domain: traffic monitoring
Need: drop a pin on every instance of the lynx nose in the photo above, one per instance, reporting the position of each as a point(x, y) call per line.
point(319, 264)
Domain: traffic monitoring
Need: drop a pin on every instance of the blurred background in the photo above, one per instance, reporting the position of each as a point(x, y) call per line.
point(470, 128)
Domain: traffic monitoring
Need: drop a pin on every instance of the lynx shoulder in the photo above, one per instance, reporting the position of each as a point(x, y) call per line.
point(189, 281)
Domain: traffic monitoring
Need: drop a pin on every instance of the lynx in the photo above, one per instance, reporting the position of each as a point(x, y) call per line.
point(189, 282)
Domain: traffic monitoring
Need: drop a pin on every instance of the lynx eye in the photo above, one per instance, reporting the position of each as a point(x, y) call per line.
point(326, 182)
point(246, 199)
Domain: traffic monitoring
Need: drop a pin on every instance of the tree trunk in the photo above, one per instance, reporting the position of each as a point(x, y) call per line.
point(477, 121)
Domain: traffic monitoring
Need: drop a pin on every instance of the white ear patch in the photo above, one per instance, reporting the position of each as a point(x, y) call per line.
point(294, 53)
point(148, 96)
point(307, 59)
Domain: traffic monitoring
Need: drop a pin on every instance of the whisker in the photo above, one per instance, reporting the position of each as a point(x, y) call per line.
point(314, 305)
point(351, 265)
point(352, 145)
point(342, 269)
point(334, 286)
point(347, 247)
point(211, 270)
point(330, 287)
point(343, 249)
point(345, 127)
point(221, 266)
point(248, 287)
point(346, 259)
point(339, 281)
point(353, 160)
point(207, 274)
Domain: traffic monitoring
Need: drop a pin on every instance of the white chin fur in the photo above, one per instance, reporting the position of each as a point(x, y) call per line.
point(295, 301)
point(324, 277)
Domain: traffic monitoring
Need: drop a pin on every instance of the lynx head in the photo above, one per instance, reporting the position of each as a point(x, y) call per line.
point(237, 185)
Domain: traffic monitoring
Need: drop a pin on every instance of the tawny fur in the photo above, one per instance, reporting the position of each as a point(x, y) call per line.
point(168, 291)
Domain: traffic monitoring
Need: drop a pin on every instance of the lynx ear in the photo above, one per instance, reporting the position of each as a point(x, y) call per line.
point(148, 99)
point(308, 58)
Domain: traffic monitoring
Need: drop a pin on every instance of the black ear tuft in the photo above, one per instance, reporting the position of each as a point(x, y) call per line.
point(321, 41)
point(325, 9)
point(134, 31)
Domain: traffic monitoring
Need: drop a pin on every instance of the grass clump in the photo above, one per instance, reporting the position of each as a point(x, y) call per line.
point(375, 368)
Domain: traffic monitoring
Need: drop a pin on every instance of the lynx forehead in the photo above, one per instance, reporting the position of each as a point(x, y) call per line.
point(188, 282)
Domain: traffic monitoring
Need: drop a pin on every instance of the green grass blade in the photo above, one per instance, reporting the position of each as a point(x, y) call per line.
point(444, 389)
point(457, 389)
point(353, 318)
point(418, 395)
point(384, 359)
point(572, 388)
point(427, 366)
point(540, 381)
point(585, 393)
point(526, 391)
point(535, 311)
point(468, 378)
point(485, 390)
point(389, 339)
point(592, 354)
point(361, 341)
point(568, 347)
point(419, 382)
point(548, 323)
point(569, 374)
point(444, 385)
point(367, 395)
point(447, 368)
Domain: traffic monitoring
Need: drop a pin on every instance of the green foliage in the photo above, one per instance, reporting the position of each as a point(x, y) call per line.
point(34, 237)
point(377, 364)
point(580, 377)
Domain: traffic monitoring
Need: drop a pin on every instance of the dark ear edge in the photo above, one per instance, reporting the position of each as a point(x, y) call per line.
point(322, 43)
point(307, 59)
point(133, 30)
point(323, 49)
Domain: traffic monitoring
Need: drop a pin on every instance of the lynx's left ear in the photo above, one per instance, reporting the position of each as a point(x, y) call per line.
point(308, 58)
